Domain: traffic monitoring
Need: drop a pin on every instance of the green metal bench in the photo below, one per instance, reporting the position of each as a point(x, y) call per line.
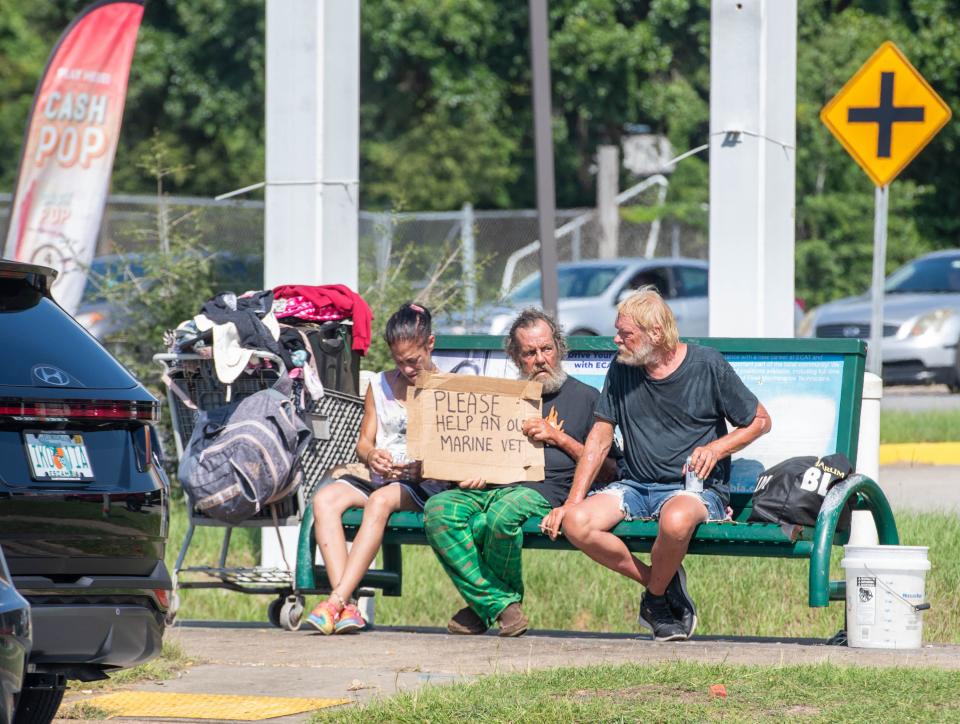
point(812, 388)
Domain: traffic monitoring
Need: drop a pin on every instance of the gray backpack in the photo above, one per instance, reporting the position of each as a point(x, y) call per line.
point(244, 456)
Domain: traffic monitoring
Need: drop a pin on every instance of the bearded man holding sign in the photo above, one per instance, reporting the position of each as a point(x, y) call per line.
point(476, 530)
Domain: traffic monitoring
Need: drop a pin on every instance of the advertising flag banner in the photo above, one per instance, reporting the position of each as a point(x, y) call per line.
point(70, 143)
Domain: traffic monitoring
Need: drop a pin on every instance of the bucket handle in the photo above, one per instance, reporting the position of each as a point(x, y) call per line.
point(917, 607)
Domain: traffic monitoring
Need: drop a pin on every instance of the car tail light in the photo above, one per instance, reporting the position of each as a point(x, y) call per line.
point(163, 597)
point(79, 410)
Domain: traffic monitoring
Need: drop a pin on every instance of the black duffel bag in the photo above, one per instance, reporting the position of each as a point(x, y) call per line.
point(792, 492)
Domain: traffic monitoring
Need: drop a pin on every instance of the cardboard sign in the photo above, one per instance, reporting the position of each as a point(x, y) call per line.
point(465, 427)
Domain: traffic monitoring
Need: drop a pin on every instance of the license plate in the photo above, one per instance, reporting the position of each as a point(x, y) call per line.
point(58, 456)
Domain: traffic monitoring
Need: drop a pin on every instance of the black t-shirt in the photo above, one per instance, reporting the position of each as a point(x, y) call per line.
point(662, 421)
point(574, 402)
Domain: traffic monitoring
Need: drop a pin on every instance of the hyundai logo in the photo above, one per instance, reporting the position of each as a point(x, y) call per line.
point(851, 331)
point(51, 375)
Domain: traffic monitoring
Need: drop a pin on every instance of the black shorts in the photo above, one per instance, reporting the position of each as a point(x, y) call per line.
point(419, 492)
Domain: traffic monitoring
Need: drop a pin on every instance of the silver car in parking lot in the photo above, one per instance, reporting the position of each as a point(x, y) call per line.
point(590, 290)
point(921, 321)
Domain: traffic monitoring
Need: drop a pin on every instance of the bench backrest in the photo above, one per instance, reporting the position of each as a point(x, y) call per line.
point(811, 387)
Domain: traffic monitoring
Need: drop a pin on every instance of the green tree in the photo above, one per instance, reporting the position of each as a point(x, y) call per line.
point(446, 112)
point(445, 107)
point(198, 80)
point(158, 288)
point(23, 50)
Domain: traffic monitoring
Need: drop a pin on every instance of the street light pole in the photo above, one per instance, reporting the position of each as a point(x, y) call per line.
point(543, 144)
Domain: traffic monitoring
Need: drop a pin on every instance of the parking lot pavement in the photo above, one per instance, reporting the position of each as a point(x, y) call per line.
point(922, 488)
point(254, 659)
point(918, 398)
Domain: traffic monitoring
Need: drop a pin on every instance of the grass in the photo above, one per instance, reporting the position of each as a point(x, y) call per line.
point(931, 426)
point(678, 692)
point(83, 711)
point(216, 604)
point(735, 596)
point(565, 590)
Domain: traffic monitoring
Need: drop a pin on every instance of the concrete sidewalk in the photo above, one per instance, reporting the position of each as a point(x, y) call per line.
point(254, 659)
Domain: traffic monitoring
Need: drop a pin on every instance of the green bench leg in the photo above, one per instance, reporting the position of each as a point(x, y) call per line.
point(873, 500)
point(305, 576)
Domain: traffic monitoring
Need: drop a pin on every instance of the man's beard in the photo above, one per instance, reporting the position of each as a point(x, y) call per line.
point(554, 380)
point(637, 357)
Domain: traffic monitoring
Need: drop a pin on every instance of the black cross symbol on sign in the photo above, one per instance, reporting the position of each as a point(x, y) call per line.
point(885, 115)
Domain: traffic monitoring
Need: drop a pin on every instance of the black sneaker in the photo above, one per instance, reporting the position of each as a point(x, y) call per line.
point(680, 602)
point(655, 614)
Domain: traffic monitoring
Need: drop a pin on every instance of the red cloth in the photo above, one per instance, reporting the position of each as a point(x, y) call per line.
point(342, 297)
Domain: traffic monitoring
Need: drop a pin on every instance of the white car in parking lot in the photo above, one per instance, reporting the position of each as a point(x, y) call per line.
point(921, 321)
point(589, 292)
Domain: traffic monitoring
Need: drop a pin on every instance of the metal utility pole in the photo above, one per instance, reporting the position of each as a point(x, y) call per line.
point(312, 162)
point(543, 140)
point(312, 144)
point(608, 186)
point(753, 62)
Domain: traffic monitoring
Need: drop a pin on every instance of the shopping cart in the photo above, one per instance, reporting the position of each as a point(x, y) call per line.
point(334, 419)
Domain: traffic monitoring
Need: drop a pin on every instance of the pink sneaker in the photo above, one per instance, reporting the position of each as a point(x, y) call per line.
point(323, 617)
point(350, 620)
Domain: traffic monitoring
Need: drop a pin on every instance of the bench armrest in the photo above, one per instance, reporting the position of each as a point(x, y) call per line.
point(836, 498)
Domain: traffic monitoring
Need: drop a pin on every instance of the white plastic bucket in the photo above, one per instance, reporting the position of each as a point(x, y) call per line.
point(884, 585)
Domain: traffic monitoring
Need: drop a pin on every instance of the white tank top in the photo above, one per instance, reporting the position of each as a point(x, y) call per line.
point(391, 421)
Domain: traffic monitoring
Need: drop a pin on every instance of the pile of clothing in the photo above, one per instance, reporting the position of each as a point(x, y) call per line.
point(235, 331)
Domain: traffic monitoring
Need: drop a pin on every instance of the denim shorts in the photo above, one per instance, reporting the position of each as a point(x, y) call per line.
point(644, 500)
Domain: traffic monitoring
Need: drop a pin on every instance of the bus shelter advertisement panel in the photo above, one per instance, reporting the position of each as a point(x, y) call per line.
point(802, 395)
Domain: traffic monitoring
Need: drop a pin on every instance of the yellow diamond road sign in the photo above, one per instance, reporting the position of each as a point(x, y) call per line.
point(885, 114)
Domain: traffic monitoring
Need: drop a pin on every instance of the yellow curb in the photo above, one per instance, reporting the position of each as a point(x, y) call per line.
point(921, 453)
point(171, 705)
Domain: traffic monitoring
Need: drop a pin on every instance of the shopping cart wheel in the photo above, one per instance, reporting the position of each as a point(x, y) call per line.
point(173, 608)
point(286, 612)
point(273, 610)
point(291, 613)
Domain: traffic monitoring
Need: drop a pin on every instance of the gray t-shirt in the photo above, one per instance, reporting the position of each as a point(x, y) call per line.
point(662, 421)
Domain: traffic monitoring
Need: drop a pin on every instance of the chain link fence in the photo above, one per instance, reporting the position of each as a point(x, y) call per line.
point(497, 248)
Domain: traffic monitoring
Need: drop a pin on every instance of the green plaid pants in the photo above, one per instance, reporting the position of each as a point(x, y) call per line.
point(477, 536)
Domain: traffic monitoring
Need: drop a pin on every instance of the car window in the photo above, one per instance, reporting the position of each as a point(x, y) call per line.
point(657, 276)
point(691, 281)
point(108, 271)
point(939, 274)
point(572, 283)
point(237, 273)
point(43, 347)
point(229, 272)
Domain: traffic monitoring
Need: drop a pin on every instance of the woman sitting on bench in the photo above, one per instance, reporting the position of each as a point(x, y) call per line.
point(390, 482)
